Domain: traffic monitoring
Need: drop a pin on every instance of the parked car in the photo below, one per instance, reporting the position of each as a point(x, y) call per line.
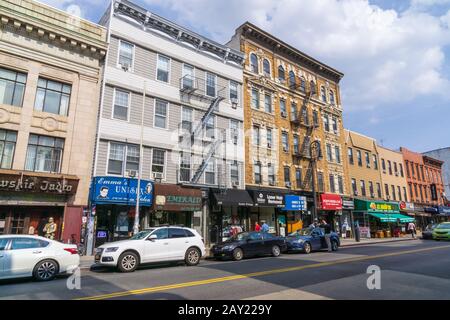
point(307, 240)
point(162, 244)
point(428, 232)
point(246, 244)
point(442, 231)
point(37, 257)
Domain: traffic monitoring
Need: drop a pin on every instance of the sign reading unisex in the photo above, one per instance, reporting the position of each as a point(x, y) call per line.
point(268, 199)
point(170, 197)
point(121, 191)
point(26, 182)
point(294, 203)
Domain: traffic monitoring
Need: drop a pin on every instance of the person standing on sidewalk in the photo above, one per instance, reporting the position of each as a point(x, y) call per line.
point(257, 227)
point(412, 229)
point(327, 230)
point(264, 227)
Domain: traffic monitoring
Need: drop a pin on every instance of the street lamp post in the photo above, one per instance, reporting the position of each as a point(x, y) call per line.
point(314, 151)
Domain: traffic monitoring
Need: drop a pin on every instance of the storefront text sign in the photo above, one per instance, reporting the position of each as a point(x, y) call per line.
point(117, 190)
point(294, 203)
point(171, 197)
point(30, 183)
point(267, 199)
point(377, 206)
point(331, 201)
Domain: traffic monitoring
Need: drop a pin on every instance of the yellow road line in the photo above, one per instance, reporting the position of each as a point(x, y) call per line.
point(252, 275)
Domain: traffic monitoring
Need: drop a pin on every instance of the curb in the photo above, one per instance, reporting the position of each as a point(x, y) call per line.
point(379, 242)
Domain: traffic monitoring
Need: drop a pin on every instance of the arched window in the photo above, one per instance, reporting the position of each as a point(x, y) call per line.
point(254, 63)
point(281, 75)
point(266, 67)
point(292, 83)
point(332, 97)
point(312, 87)
point(302, 84)
point(323, 94)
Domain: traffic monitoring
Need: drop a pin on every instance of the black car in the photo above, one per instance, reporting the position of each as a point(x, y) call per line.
point(246, 244)
point(428, 232)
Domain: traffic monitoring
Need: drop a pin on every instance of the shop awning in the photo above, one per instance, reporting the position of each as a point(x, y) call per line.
point(383, 217)
point(402, 218)
point(233, 197)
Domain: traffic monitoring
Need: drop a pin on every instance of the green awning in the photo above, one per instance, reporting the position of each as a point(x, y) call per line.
point(403, 218)
point(384, 217)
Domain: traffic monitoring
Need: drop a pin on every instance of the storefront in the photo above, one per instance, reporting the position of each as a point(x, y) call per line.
point(39, 204)
point(113, 208)
point(378, 219)
point(438, 213)
point(330, 210)
point(176, 205)
point(346, 222)
point(230, 214)
point(295, 208)
point(422, 218)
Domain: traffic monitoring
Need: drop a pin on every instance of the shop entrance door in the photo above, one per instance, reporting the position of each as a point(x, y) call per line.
point(281, 224)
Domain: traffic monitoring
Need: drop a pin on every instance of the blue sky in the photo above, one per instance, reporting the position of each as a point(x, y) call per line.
point(395, 54)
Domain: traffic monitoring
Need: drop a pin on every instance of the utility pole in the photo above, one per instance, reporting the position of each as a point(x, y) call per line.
point(141, 155)
point(314, 152)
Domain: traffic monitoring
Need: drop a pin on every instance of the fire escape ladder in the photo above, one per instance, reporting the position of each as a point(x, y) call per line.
point(307, 181)
point(205, 161)
point(207, 115)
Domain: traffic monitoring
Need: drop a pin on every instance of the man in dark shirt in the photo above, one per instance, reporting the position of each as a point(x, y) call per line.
point(327, 231)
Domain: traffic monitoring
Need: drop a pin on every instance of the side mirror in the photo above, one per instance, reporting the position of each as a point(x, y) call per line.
point(153, 237)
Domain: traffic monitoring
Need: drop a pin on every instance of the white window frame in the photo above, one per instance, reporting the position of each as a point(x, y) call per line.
point(114, 104)
point(167, 114)
point(215, 172)
point(237, 130)
point(237, 90)
point(124, 159)
point(133, 57)
point(206, 84)
point(169, 67)
point(258, 107)
point(165, 163)
point(238, 171)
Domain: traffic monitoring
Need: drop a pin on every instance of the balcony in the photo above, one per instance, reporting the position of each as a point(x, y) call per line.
point(199, 87)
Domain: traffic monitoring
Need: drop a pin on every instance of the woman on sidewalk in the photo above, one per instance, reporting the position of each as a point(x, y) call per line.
point(412, 229)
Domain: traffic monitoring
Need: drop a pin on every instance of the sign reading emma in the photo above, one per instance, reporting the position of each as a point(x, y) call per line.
point(294, 203)
point(121, 191)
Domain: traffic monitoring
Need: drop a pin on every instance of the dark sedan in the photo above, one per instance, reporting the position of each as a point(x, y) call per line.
point(428, 232)
point(246, 244)
point(307, 240)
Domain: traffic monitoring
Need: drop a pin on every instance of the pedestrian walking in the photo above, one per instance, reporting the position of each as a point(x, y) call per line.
point(257, 227)
point(327, 231)
point(412, 229)
point(314, 225)
point(264, 227)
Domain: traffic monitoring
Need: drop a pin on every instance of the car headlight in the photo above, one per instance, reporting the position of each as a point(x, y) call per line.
point(112, 249)
point(99, 250)
point(227, 247)
point(300, 241)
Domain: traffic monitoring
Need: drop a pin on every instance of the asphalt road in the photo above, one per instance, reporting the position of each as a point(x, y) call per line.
point(409, 270)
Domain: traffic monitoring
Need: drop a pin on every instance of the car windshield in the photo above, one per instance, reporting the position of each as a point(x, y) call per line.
point(443, 226)
point(240, 236)
point(301, 232)
point(142, 234)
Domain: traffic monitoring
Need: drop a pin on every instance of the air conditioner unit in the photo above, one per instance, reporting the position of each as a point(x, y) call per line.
point(269, 145)
point(283, 114)
point(285, 149)
point(372, 195)
point(235, 139)
point(287, 184)
point(335, 131)
point(234, 103)
point(157, 175)
point(131, 173)
point(235, 184)
point(355, 193)
point(271, 183)
point(125, 66)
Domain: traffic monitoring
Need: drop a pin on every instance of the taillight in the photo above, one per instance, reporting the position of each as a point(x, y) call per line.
point(71, 250)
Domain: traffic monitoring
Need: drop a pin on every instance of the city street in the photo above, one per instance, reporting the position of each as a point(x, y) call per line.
point(413, 269)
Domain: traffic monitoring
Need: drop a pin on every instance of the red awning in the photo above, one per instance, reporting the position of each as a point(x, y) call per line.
point(330, 201)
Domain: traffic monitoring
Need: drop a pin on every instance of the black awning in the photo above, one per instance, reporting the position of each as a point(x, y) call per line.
point(233, 197)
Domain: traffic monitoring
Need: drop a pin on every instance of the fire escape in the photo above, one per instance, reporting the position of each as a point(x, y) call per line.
point(197, 135)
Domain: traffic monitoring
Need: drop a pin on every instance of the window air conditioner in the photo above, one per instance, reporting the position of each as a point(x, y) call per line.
point(269, 145)
point(157, 175)
point(235, 184)
point(125, 67)
point(131, 173)
point(287, 184)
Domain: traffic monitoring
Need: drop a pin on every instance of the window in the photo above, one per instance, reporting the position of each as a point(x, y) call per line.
point(296, 145)
point(298, 177)
point(395, 168)
point(210, 172)
point(52, 97)
point(354, 188)
point(326, 123)
point(176, 233)
point(269, 138)
point(340, 184)
point(312, 87)
point(412, 170)
point(268, 103)
point(161, 114)
point(257, 172)
point(332, 186)
point(375, 162)
point(211, 84)
point(415, 191)
point(323, 94)
point(399, 192)
point(283, 108)
point(234, 173)
point(256, 136)
point(386, 190)
point(393, 192)
point(379, 190)
point(162, 233)
point(334, 124)
point(266, 67)
point(185, 166)
point(287, 174)
point(421, 170)
point(329, 154)
point(405, 194)
point(186, 118)
point(421, 192)
point(407, 169)
point(158, 161)
point(271, 171)
point(254, 63)
point(367, 159)
point(305, 117)
point(337, 153)
point(292, 82)
point(284, 141)
point(255, 98)
point(411, 192)
point(210, 127)
point(358, 154)
point(163, 68)
point(122, 157)
point(293, 111)
point(121, 104)
point(234, 128)
point(363, 188)
point(27, 243)
point(390, 167)
point(315, 118)
point(7, 148)
point(188, 76)
point(234, 90)
point(44, 154)
point(281, 75)
point(302, 84)
point(371, 190)
point(332, 97)
point(320, 184)
point(126, 52)
point(350, 156)
point(12, 87)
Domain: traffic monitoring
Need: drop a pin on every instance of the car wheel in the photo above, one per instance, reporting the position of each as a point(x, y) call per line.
point(238, 254)
point(276, 251)
point(192, 257)
point(45, 270)
point(307, 248)
point(128, 262)
point(334, 245)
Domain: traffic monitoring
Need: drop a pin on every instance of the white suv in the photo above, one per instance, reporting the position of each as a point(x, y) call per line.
point(169, 243)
